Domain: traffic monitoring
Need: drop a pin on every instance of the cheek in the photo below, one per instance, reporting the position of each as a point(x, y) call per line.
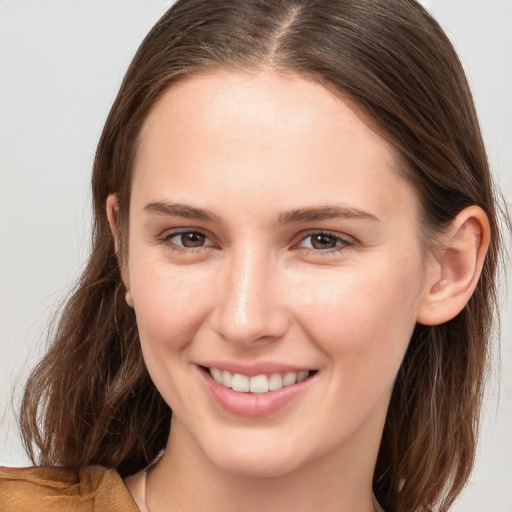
point(362, 325)
point(363, 319)
point(170, 305)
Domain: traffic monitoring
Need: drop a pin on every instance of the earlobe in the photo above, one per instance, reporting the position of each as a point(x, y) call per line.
point(452, 278)
point(129, 298)
point(112, 207)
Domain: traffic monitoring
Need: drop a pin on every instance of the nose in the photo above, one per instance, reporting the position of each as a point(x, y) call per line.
point(249, 306)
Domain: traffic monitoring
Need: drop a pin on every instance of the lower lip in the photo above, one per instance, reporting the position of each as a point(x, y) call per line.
point(253, 405)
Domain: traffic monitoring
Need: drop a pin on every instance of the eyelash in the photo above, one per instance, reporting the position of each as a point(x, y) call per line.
point(344, 242)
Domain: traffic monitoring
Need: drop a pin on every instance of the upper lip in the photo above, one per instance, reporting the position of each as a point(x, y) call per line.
point(254, 368)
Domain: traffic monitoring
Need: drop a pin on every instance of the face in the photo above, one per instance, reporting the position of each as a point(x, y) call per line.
point(273, 249)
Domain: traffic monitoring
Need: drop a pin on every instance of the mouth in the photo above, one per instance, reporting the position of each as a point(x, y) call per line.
point(257, 384)
point(247, 391)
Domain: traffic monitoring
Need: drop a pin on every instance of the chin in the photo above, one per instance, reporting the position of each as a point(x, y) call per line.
point(256, 460)
point(251, 468)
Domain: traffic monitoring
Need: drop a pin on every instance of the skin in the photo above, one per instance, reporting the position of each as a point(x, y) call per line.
point(249, 149)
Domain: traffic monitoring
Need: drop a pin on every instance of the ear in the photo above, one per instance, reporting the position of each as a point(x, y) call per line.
point(454, 273)
point(112, 207)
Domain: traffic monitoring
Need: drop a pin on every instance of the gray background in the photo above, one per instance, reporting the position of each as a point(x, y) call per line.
point(61, 63)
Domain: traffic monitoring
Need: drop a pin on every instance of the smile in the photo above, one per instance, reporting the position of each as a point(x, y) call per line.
point(257, 391)
point(258, 383)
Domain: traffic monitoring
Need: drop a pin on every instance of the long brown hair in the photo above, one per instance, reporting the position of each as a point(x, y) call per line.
point(91, 401)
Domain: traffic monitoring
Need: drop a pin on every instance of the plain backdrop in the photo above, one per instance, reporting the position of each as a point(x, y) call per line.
point(61, 63)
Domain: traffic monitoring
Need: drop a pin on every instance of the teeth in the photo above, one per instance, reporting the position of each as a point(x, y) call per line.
point(302, 375)
point(216, 374)
point(227, 378)
point(258, 383)
point(239, 382)
point(289, 378)
point(275, 382)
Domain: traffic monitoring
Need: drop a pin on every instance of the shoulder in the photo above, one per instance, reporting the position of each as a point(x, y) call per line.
point(42, 489)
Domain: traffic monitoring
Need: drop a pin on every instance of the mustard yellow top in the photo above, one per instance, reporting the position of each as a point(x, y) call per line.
point(92, 489)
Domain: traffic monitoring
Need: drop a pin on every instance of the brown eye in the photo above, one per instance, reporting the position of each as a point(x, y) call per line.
point(188, 240)
point(192, 239)
point(324, 241)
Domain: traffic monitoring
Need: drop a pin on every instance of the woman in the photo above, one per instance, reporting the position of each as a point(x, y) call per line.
point(294, 250)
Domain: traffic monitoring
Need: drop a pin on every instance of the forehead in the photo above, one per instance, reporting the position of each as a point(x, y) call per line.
point(282, 137)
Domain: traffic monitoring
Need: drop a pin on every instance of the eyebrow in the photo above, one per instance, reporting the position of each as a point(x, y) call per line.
point(308, 214)
point(324, 213)
point(181, 210)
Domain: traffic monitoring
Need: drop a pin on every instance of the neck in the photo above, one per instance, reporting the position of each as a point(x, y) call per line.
point(186, 480)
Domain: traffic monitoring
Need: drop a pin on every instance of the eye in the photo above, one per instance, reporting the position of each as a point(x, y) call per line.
point(188, 239)
point(324, 241)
